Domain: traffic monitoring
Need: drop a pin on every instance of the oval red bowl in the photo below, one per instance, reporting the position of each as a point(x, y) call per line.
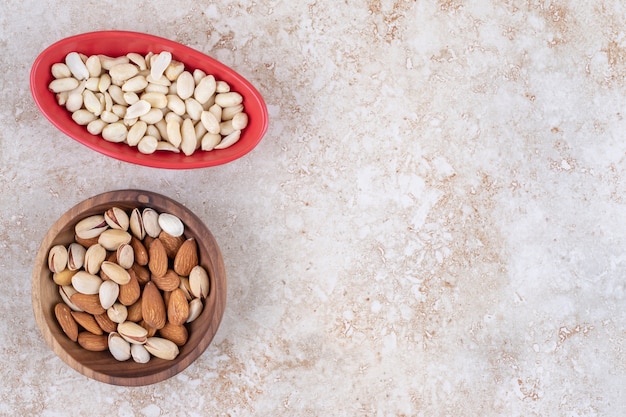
point(117, 43)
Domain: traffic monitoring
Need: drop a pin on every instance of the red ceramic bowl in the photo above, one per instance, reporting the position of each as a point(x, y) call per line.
point(117, 43)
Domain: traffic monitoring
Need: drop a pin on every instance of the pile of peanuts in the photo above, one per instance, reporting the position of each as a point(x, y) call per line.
point(150, 102)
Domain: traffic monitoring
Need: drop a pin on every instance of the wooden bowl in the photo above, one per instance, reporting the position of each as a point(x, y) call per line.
point(101, 366)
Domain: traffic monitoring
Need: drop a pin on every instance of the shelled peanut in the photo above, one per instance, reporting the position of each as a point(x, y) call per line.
point(130, 284)
point(151, 102)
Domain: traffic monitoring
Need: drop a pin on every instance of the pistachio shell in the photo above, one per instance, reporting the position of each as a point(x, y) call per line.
point(195, 308)
point(109, 291)
point(171, 224)
point(117, 313)
point(132, 332)
point(75, 256)
point(86, 283)
point(117, 218)
point(151, 222)
point(95, 255)
point(115, 272)
point(119, 347)
point(66, 291)
point(139, 353)
point(57, 258)
point(199, 282)
point(136, 224)
point(125, 255)
point(91, 227)
point(161, 348)
point(111, 239)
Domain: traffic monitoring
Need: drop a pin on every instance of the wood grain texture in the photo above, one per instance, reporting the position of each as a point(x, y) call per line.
point(101, 366)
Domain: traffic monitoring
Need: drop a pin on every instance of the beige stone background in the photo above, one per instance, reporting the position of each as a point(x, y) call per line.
point(433, 224)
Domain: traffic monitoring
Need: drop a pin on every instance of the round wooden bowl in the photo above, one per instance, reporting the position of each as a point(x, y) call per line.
point(101, 366)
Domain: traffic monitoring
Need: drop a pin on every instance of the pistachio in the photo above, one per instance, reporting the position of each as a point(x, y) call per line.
point(91, 226)
point(66, 292)
point(63, 277)
point(109, 291)
point(95, 255)
point(136, 224)
point(151, 222)
point(117, 313)
point(186, 288)
point(199, 282)
point(171, 224)
point(115, 272)
point(75, 256)
point(119, 347)
point(125, 255)
point(86, 283)
point(117, 218)
point(132, 332)
point(111, 239)
point(57, 258)
point(139, 353)
point(161, 348)
point(195, 308)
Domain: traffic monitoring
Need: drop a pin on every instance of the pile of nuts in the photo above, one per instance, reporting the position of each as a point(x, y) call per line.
point(130, 283)
point(151, 102)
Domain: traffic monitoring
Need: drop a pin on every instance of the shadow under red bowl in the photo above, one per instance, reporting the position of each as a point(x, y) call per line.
point(117, 43)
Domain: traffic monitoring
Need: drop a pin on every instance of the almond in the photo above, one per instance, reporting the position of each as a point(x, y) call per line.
point(89, 303)
point(106, 324)
point(134, 312)
point(130, 292)
point(158, 258)
point(171, 243)
point(141, 273)
point(87, 321)
point(64, 316)
point(186, 257)
point(152, 306)
point(176, 333)
point(86, 242)
point(93, 342)
point(141, 253)
point(168, 282)
point(177, 307)
point(151, 330)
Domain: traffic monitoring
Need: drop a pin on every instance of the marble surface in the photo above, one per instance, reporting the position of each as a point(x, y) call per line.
point(433, 224)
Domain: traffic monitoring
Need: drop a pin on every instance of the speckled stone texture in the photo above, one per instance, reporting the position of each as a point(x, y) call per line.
point(433, 224)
